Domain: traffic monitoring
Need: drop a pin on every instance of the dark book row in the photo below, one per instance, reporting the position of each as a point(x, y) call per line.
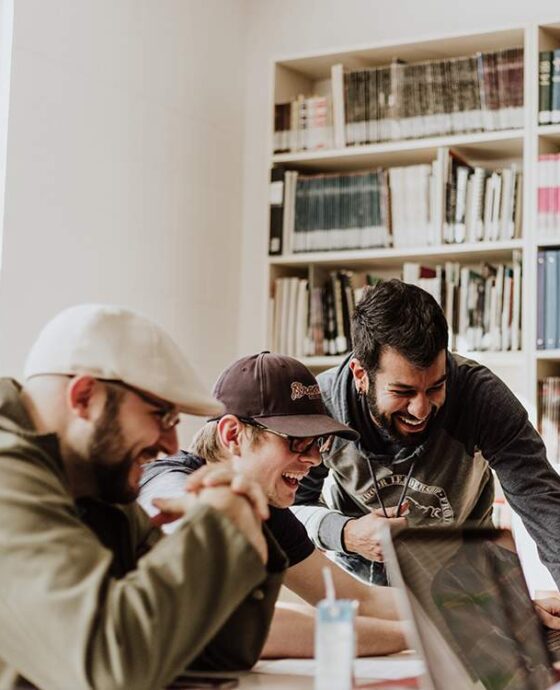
point(412, 100)
point(549, 87)
point(481, 92)
point(329, 211)
point(447, 201)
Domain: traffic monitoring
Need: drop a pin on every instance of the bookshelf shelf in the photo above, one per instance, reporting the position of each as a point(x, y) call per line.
point(548, 241)
point(481, 146)
point(321, 363)
point(553, 355)
point(489, 358)
point(496, 358)
point(549, 132)
point(394, 257)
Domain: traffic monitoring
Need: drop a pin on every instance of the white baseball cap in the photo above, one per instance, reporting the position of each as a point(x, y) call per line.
point(110, 342)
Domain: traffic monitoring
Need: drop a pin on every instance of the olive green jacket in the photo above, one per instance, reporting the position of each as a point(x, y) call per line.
point(200, 597)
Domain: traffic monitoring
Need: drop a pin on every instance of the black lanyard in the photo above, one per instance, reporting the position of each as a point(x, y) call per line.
point(403, 492)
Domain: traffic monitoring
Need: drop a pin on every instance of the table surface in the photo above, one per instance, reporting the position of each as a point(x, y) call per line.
point(283, 680)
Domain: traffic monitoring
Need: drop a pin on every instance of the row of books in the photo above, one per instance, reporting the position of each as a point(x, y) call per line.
point(482, 307)
point(312, 321)
point(448, 201)
point(329, 211)
point(549, 416)
point(548, 299)
point(548, 194)
point(412, 100)
point(549, 87)
point(303, 124)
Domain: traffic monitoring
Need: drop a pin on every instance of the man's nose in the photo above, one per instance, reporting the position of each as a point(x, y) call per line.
point(419, 406)
point(169, 441)
point(312, 457)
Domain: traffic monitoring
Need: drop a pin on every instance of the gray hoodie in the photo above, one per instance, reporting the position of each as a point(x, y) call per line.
point(482, 425)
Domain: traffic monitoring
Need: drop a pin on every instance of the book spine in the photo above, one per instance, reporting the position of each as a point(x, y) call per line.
point(516, 314)
point(545, 86)
point(338, 115)
point(555, 95)
point(550, 299)
point(541, 294)
point(276, 199)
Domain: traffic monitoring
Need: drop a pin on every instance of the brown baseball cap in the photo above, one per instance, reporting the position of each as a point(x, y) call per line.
point(280, 393)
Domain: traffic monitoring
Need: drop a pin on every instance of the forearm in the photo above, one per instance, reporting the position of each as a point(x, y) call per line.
point(324, 526)
point(379, 602)
point(376, 637)
point(292, 634)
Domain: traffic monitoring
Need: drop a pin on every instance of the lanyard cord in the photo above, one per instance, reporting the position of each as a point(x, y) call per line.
point(399, 504)
point(403, 492)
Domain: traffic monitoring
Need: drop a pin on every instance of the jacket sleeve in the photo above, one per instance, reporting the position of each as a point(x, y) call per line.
point(324, 526)
point(68, 623)
point(513, 448)
point(238, 643)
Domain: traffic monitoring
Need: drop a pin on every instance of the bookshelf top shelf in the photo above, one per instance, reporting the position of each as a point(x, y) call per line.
point(480, 146)
point(316, 67)
point(487, 251)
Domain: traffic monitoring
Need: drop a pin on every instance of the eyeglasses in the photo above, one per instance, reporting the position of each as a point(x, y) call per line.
point(301, 446)
point(168, 415)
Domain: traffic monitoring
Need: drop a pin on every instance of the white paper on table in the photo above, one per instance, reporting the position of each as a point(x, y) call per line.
point(370, 668)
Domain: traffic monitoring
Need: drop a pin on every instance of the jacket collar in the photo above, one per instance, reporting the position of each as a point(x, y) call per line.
point(15, 419)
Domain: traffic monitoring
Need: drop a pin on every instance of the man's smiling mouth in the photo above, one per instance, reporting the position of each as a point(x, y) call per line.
point(292, 479)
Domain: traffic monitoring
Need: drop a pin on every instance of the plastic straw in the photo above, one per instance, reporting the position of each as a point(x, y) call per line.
point(329, 584)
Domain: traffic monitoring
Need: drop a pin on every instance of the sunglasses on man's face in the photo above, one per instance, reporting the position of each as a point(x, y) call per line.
point(301, 446)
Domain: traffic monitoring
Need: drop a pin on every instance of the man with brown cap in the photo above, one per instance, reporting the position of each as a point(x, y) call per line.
point(274, 428)
point(91, 597)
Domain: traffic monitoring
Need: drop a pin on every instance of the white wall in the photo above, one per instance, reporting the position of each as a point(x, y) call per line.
point(123, 175)
point(287, 28)
point(6, 25)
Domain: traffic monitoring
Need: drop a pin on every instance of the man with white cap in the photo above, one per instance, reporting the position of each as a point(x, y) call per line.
point(90, 596)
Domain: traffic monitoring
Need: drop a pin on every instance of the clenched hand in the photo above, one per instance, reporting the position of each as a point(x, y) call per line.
point(362, 535)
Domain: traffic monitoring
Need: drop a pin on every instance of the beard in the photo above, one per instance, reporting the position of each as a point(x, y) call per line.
point(387, 421)
point(110, 461)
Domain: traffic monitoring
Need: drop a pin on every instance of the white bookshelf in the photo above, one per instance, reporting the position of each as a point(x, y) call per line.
point(520, 369)
point(311, 73)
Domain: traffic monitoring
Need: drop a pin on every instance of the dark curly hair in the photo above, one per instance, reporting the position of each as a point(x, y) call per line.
point(401, 316)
